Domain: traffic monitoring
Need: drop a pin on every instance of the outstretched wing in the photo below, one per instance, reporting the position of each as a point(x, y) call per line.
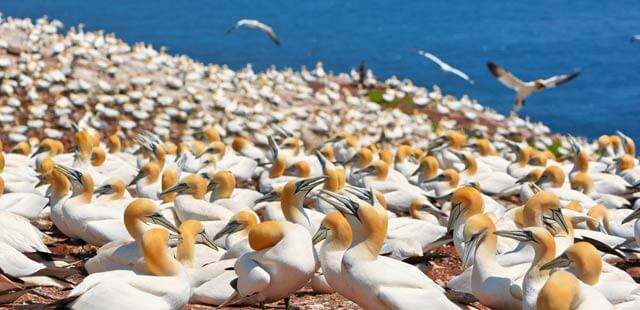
point(272, 35)
point(505, 77)
point(557, 80)
point(459, 73)
point(433, 58)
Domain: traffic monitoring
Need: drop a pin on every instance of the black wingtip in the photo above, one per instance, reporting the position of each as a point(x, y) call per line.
point(601, 246)
point(493, 68)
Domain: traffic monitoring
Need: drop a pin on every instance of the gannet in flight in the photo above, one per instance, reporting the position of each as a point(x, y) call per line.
point(252, 23)
point(524, 89)
point(445, 66)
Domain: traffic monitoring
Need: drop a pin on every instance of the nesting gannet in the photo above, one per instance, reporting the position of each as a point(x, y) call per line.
point(336, 234)
point(167, 287)
point(494, 285)
point(395, 285)
point(545, 250)
point(584, 261)
point(139, 216)
point(564, 291)
point(524, 89)
point(270, 272)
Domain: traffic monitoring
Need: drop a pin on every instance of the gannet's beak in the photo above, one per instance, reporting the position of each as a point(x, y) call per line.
point(322, 160)
point(231, 227)
point(524, 179)
point(178, 188)
point(341, 203)
point(438, 142)
point(417, 171)
point(561, 261)
point(159, 219)
point(309, 183)
point(632, 216)
point(332, 140)
point(556, 215)
point(72, 174)
point(432, 210)
point(206, 240)
point(437, 178)
point(320, 235)
point(470, 248)
point(270, 196)
point(141, 174)
point(38, 151)
point(454, 214)
point(519, 235)
point(106, 189)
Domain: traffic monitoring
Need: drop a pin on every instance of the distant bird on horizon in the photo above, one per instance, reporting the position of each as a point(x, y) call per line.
point(252, 23)
point(445, 66)
point(524, 89)
point(635, 38)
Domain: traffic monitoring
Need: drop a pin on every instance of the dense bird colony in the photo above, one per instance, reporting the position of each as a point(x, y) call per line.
point(134, 179)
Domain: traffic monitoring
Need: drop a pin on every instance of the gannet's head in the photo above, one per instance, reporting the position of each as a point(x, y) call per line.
point(294, 192)
point(191, 231)
point(150, 170)
point(155, 252)
point(113, 186)
point(300, 169)
point(22, 148)
point(114, 144)
point(476, 229)
point(582, 182)
point(585, 260)
point(98, 156)
point(465, 202)
point(222, 184)
point(378, 168)
point(141, 212)
point(361, 159)
point(553, 175)
point(561, 291)
point(428, 168)
point(421, 204)
point(539, 238)
point(539, 206)
point(83, 143)
point(265, 235)
point(336, 230)
point(243, 220)
point(194, 185)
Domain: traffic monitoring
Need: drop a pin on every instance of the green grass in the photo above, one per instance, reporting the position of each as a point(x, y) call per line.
point(404, 104)
point(555, 148)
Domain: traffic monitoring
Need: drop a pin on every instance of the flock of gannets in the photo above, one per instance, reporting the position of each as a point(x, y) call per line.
point(244, 187)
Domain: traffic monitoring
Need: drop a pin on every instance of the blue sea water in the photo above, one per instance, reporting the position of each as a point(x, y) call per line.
point(532, 39)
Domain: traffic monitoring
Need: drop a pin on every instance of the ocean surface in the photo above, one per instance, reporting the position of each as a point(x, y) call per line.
point(531, 39)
